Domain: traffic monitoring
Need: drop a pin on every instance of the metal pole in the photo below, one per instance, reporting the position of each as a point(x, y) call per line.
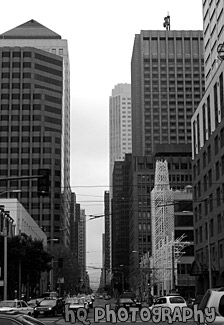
point(5, 257)
point(122, 273)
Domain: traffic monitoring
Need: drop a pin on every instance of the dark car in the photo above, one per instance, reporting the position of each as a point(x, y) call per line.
point(49, 307)
point(18, 319)
point(126, 303)
point(131, 295)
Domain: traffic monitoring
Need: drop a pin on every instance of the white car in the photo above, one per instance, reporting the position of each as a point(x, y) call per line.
point(214, 298)
point(17, 305)
point(169, 301)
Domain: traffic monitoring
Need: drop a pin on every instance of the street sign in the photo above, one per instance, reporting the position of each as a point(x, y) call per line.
point(1, 283)
point(60, 280)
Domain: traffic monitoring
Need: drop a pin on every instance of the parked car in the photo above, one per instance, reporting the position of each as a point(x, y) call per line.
point(169, 301)
point(214, 298)
point(126, 303)
point(16, 305)
point(76, 302)
point(49, 307)
point(16, 318)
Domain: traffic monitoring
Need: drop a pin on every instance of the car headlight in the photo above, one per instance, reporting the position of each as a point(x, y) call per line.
point(49, 308)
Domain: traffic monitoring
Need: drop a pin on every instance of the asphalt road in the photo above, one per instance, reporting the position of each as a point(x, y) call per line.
point(90, 319)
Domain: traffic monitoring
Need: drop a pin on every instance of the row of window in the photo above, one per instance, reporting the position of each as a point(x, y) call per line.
point(52, 99)
point(214, 228)
point(25, 128)
point(34, 150)
point(17, 161)
point(45, 139)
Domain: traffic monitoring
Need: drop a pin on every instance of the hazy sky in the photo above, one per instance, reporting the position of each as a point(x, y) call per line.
point(100, 36)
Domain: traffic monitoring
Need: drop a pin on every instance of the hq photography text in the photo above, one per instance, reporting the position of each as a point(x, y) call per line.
point(156, 315)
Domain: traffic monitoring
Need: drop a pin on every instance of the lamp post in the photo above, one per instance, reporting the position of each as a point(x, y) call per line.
point(51, 278)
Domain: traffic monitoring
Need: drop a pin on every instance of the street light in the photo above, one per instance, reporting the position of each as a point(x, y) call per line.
point(51, 275)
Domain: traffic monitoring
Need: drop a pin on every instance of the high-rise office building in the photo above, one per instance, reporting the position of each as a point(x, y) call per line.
point(120, 124)
point(213, 15)
point(166, 85)
point(35, 122)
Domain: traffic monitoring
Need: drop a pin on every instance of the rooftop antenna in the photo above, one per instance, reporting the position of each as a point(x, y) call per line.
point(166, 23)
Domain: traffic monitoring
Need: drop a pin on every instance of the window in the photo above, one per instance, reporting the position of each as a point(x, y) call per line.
point(211, 202)
point(215, 90)
point(216, 145)
point(210, 177)
point(204, 159)
point(217, 170)
point(209, 153)
point(219, 223)
point(218, 196)
point(205, 183)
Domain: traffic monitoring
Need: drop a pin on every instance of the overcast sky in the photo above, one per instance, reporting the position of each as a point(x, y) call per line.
point(100, 36)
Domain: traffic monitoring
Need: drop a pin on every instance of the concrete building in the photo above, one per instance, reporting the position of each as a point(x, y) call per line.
point(22, 221)
point(167, 83)
point(35, 122)
point(120, 124)
point(208, 157)
point(213, 16)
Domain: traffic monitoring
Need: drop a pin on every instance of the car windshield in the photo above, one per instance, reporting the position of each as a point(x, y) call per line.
point(77, 301)
point(8, 303)
point(160, 301)
point(125, 300)
point(177, 300)
point(47, 302)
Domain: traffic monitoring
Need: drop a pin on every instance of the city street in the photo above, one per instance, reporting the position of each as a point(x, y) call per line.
point(99, 303)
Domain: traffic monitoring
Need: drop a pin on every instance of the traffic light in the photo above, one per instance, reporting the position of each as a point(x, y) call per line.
point(43, 182)
point(60, 262)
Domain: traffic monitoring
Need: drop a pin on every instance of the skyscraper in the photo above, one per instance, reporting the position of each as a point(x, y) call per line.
point(167, 84)
point(120, 124)
point(35, 121)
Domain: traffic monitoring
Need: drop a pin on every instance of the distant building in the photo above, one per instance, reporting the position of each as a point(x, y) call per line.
point(120, 124)
point(107, 237)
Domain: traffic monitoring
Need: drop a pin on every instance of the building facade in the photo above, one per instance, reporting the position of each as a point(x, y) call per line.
point(35, 122)
point(213, 16)
point(167, 83)
point(208, 157)
point(120, 124)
